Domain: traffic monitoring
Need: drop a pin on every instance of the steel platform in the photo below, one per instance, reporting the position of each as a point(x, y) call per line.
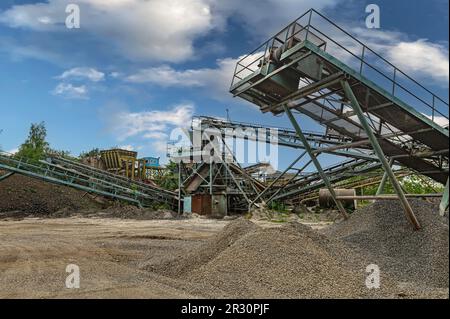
point(303, 67)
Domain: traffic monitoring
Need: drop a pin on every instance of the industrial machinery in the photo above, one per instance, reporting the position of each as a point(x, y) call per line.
point(315, 68)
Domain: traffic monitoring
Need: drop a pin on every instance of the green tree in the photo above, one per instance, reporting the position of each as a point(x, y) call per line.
point(95, 152)
point(35, 146)
point(170, 179)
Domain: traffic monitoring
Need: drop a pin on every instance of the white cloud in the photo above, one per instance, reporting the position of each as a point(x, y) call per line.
point(70, 91)
point(160, 146)
point(156, 135)
point(128, 124)
point(115, 75)
point(264, 18)
point(127, 147)
point(217, 80)
point(440, 120)
point(138, 29)
point(421, 57)
point(90, 74)
point(162, 30)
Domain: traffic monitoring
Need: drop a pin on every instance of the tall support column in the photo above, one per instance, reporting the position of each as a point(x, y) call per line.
point(308, 149)
point(377, 148)
point(444, 202)
point(384, 179)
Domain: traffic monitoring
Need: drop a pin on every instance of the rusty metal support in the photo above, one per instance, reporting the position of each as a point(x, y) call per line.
point(386, 197)
point(313, 157)
point(378, 150)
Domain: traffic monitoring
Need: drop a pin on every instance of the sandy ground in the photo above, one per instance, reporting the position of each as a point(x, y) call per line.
point(112, 255)
point(34, 254)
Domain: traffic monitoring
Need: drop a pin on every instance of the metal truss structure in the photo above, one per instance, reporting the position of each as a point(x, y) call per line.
point(315, 68)
point(65, 172)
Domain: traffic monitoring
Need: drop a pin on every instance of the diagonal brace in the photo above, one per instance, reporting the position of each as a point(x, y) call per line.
point(379, 151)
point(278, 178)
point(3, 177)
point(314, 159)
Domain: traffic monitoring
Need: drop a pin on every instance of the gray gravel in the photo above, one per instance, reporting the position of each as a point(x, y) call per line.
point(292, 261)
point(381, 232)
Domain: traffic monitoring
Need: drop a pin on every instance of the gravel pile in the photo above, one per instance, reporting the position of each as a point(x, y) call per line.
point(381, 232)
point(182, 265)
point(21, 196)
point(134, 212)
point(292, 261)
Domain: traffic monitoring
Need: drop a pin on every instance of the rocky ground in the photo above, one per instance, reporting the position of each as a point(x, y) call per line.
point(126, 252)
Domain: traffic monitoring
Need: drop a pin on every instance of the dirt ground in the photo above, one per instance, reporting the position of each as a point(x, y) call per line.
point(34, 254)
point(122, 258)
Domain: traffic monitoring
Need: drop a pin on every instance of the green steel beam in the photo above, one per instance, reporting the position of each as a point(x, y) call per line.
point(61, 182)
point(315, 161)
point(444, 202)
point(384, 179)
point(377, 148)
point(272, 197)
point(421, 117)
point(3, 177)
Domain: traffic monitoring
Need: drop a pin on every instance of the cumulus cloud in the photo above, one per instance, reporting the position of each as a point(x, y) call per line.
point(217, 79)
point(90, 74)
point(421, 56)
point(138, 29)
point(150, 124)
point(70, 91)
point(127, 147)
point(151, 127)
point(161, 30)
point(417, 58)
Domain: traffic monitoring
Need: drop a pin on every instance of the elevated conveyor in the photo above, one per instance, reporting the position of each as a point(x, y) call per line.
point(65, 172)
point(303, 68)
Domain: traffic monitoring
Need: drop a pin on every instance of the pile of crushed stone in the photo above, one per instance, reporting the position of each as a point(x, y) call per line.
point(183, 265)
point(133, 212)
point(292, 261)
point(382, 232)
point(22, 196)
point(118, 210)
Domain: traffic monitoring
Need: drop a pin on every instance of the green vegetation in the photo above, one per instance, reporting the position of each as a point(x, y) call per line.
point(35, 146)
point(170, 179)
point(95, 152)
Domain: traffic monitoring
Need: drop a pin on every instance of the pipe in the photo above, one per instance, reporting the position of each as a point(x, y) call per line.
point(386, 197)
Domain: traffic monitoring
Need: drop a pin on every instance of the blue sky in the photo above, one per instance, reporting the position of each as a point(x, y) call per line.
point(137, 69)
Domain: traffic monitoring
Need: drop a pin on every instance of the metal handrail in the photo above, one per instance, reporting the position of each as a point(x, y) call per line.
point(362, 58)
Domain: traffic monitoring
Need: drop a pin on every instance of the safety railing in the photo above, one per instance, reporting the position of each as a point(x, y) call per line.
point(313, 26)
